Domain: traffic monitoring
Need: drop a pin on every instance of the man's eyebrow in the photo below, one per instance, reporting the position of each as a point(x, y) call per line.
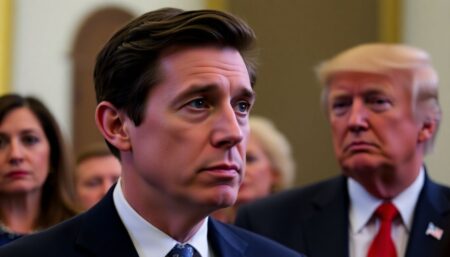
point(248, 93)
point(376, 92)
point(368, 91)
point(195, 90)
point(210, 88)
point(338, 94)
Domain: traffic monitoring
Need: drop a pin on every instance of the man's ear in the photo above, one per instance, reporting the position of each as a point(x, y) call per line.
point(427, 130)
point(112, 123)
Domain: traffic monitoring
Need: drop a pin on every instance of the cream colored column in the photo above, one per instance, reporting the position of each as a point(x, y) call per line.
point(217, 4)
point(5, 45)
point(389, 21)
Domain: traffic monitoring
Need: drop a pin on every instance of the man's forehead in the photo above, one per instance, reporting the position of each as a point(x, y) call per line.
point(391, 78)
point(191, 60)
point(364, 83)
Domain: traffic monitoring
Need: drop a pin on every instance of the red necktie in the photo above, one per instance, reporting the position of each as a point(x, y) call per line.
point(382, 245)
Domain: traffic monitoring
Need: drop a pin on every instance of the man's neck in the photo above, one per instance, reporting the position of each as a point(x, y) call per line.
point(179, 221)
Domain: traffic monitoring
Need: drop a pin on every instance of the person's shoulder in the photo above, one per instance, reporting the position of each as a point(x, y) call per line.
point(437, 192)
point(50, 242)
point(441, 187)
point(256, 245)
point(297, 197)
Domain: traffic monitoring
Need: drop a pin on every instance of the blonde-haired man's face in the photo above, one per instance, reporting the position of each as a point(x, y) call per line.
point(375, 134)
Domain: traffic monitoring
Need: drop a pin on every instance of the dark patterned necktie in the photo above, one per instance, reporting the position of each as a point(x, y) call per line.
point(180, 250)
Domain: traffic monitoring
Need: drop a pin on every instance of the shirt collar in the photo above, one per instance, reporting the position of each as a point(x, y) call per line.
point(149, 240)
point(363, 204)
point(406, 201)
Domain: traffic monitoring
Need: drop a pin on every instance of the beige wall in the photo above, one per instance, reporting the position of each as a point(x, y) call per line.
point(293, 37)
point(426, 25)
point(43, 36)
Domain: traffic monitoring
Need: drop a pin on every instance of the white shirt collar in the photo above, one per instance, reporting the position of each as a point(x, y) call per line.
point(363, 204)
point(148, 240)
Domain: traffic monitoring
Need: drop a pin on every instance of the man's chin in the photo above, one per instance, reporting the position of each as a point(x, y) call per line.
point(358, 164)
point(224, 198)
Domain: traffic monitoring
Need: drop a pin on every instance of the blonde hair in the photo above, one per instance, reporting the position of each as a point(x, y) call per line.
point(277, 148)
point(391, 60)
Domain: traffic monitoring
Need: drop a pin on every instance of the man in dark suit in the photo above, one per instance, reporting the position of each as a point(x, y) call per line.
point(174, 91)
point(382, 104)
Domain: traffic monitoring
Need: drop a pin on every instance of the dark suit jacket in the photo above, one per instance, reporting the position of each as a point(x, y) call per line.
point(100, 232)
point(314, 220)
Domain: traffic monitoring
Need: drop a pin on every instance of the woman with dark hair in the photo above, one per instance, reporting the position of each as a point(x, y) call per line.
point(35, 190)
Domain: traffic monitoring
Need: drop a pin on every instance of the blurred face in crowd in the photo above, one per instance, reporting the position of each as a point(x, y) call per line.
point(94, 176)
point(190, 147)
point(260, 176)
point(375, 134)
point(24, 153)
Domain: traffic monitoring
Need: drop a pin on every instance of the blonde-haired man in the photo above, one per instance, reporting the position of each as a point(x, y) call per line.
point(382, 104)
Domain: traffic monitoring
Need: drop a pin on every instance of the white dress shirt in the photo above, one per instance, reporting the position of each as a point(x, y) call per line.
point(364, 226)
point(148, 240)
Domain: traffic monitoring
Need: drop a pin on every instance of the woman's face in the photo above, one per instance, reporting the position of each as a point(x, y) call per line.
point(24, 153)
point(260, 176)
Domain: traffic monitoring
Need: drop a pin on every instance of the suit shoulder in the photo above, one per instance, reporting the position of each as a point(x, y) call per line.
point(297, 197)
point(437, 193)
point(444, 188)
point(258, 245)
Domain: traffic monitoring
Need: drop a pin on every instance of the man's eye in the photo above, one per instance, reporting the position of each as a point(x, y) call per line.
point(198, 103)
point(243, 107)
point(378, 103)
point(340, 107)
point(93, 183)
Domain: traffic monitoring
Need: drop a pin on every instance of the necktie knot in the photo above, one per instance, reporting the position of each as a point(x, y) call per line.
point(386, 211)
point(180, 250)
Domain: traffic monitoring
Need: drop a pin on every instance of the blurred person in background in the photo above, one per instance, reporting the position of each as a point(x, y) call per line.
point(35, 190)
point(270, 166)
point(381, 101)
point(97, 169)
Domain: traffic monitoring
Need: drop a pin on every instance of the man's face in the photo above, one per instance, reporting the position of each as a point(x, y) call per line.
point(190, 147)
point(375, 134)
point(94, 176)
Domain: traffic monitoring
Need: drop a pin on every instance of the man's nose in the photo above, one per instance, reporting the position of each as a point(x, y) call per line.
point(357, 121)
point(227, 131)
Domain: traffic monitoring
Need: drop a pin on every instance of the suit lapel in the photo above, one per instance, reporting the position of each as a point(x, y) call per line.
point(103, 233)
point(432, 206)
point(326, 232)
point(224, 243)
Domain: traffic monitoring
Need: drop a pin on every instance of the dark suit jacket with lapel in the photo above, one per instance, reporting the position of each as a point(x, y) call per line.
point(314, 220)
point(100, 232)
